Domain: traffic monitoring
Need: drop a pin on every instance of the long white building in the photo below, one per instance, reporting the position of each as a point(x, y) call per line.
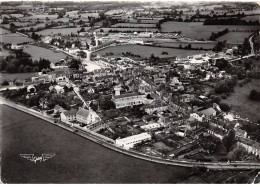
point(130, 141)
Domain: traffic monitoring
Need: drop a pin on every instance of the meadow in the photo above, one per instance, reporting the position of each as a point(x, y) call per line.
point(241, 104)
point(235, 37)
point(146, 51)
point(15, 39)
point(40, 52)
point(183, 44)
point(37, 26)
point(197, 30)
point(133, 25)
point(129, 29)
point(39, 16)
point(62, 31)
point(252, 18)
point(4, 31)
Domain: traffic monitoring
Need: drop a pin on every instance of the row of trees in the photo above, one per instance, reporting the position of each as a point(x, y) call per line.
point(214, 35)
point(229, 21)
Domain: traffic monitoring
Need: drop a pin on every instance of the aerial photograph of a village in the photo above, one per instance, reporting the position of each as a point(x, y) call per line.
point(114, 91)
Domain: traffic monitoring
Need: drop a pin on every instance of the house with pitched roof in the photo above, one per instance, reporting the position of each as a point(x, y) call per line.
point(68, 116)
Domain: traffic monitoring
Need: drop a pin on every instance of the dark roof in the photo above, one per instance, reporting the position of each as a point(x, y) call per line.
point(70, 112)
point(125, 95)
point(83, 112)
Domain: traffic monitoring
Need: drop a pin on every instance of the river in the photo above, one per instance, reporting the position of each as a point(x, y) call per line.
point(77, 159)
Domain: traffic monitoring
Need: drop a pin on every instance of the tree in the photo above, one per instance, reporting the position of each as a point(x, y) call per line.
point(74, 63)
point(224, 107)
point(221, 64)
point(44, 64)
point(12, 27)
point(102, 15)
point(254, 95)
point(229, 140)
point(5, 83)
point(5, 20)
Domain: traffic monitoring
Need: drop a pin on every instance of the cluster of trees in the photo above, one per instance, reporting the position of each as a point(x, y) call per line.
point(226, 86)
point(222, 64)
point(254, 95)
point(214, 35)
point(52, 98)
point(22, 63)
point(35, 36)
point(229, 21)
point(105, 102)
point(224, 107)
point(219, 46)
point(245, 48)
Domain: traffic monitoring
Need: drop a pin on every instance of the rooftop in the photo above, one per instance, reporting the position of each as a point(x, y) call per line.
point(83, 112)
point(125, 95)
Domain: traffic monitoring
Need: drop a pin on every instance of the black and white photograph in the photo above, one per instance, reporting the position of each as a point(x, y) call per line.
point(129, 92)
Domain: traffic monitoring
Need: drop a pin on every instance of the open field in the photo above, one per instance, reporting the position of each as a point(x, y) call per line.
point(18, 24)
point(146, 51)
point(40, 52)
point(37, 26)
point(240, 102)
point(130, 25)
point(193, 45)
point(235, 37)
point(252, 18)
point(4, 31)
point(13, 76)
point(130, 29)
point(88, 14)
point(62, 31)
point(197, 30)
point(39, 16)
point(15, 38)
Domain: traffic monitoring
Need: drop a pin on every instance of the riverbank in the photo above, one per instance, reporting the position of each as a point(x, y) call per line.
point(173, 162)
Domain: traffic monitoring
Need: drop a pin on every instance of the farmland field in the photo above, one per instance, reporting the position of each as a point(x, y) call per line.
point(127, 25)
point(86, 15)
point(146, 51)
point(235, 37)
point(4, 31)
point(197, 30)
point(240, 102)
point(130, 29)
point(39, 52)
point(39, 25)
point(15, 38)
point(62, 31)
point(18, 24)
point(252, 18)
point(145, 21)
point(71, 13)
point(193, 45)
point(39, 16)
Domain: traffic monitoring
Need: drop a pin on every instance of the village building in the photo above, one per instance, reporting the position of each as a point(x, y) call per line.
point(130, 141)
point(68, 116)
